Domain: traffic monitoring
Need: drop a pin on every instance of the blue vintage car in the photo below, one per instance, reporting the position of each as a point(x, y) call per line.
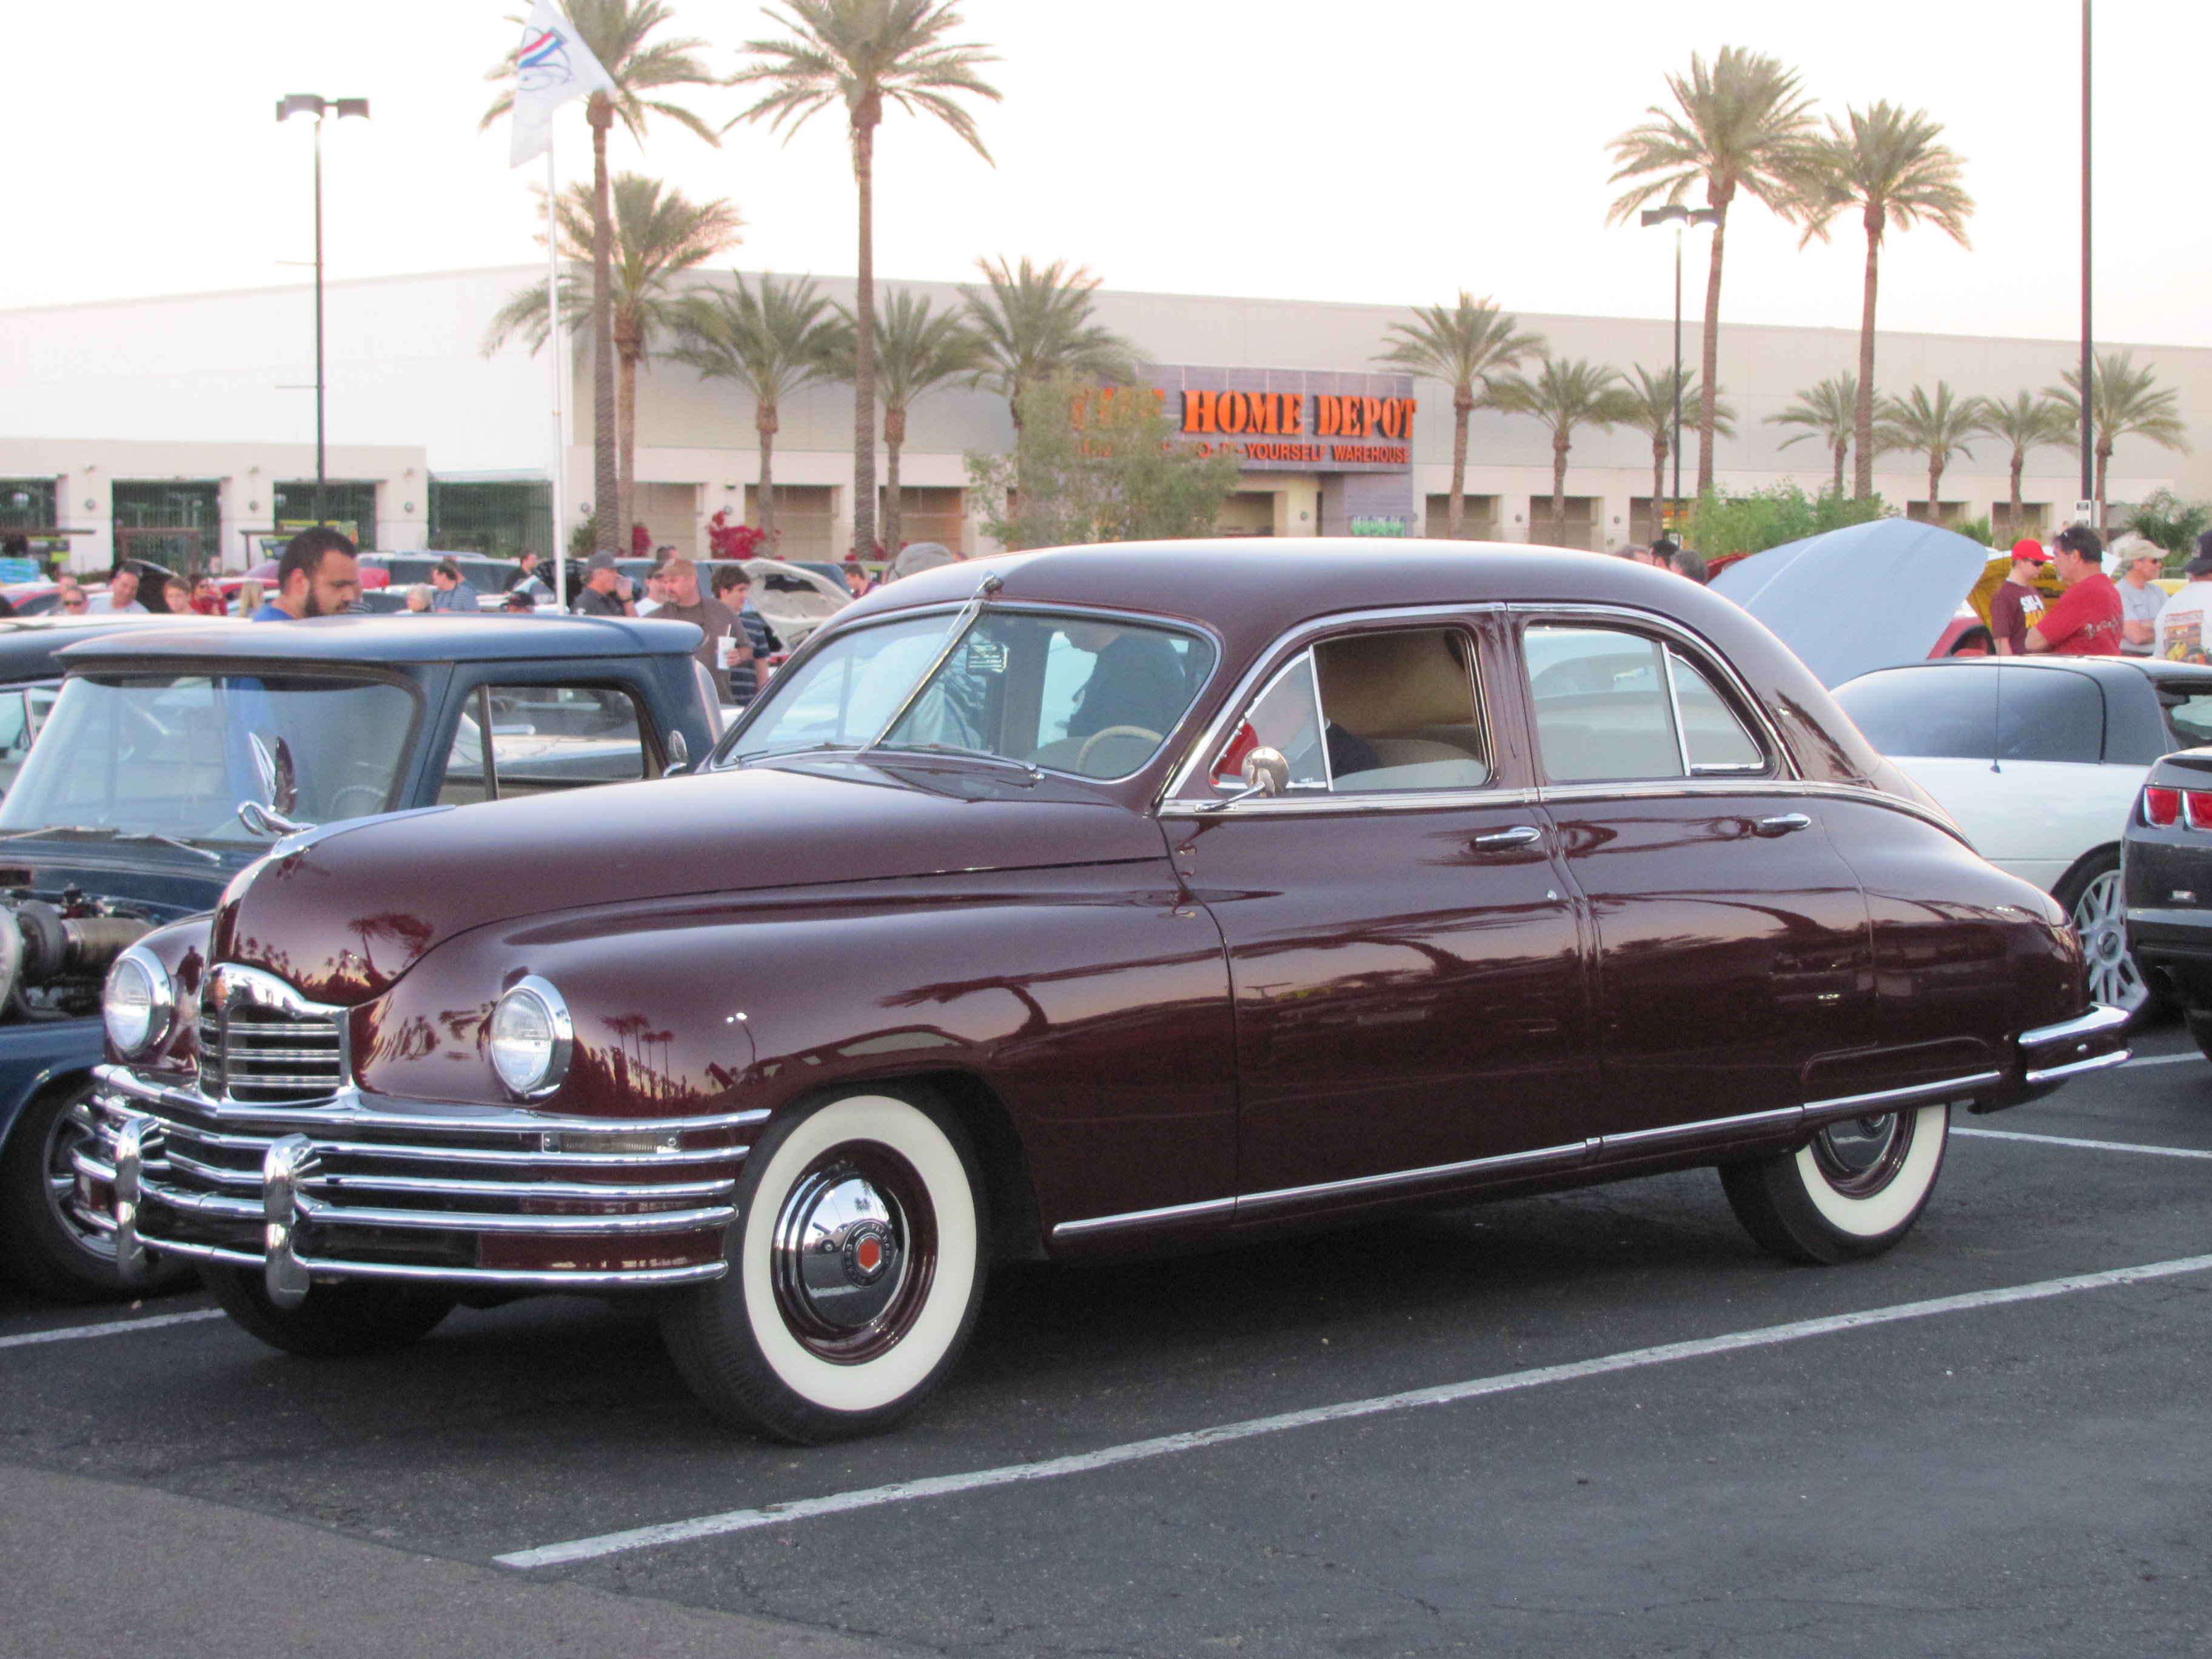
point(175, 756)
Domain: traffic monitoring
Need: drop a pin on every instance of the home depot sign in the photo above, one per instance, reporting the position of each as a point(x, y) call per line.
point(1294, 421)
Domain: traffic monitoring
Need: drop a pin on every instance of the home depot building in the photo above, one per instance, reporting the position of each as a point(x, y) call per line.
point(137, 423)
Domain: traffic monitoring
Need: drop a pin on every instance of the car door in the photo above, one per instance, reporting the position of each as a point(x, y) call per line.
point(1406, 959)
point(1733, 947)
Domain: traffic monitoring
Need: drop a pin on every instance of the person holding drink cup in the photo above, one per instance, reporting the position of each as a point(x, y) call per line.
point(749, 652)
point(678, 578)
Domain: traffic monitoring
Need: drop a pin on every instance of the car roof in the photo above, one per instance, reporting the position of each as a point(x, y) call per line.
point(28, 644)
point(490, 635)
point(2102, 668)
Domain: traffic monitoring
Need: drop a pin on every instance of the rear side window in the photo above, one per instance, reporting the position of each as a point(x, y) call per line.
point(1931, 713)
point(1614, 707)
point(542, 738)
point(2048, 715)
point(2191, 720)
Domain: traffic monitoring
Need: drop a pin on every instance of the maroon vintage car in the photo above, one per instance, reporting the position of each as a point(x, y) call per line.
point(1087, 903)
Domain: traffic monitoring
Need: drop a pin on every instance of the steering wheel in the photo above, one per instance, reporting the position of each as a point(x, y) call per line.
point(374, 793)
point(1099, 737)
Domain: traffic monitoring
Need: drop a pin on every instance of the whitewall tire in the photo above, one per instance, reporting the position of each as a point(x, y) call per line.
point(1852, 1191)
point(856, 1270)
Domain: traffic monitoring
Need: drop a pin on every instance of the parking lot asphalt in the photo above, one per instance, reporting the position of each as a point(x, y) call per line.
point(1984, 1475)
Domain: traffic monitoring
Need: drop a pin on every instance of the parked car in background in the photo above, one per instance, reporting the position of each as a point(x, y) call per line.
point(793, 599)
point(31, 674)
point(490, 577)
point(2041, 760)
point(2167, 870)
point(177, 754)
point(1025, 915)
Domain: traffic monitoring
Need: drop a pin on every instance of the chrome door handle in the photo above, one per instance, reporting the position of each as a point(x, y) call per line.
point(1780, 824)
point(1499, 840)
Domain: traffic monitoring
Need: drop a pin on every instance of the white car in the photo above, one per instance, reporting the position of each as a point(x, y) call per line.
point(2041, 759)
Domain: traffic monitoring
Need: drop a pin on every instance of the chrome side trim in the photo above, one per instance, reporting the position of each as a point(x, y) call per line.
point(1780, 1117)
point(1432, 800)
point(1129, 1219)
point(1891, 1100)
point(1573, 1152)
point(2076, 1067)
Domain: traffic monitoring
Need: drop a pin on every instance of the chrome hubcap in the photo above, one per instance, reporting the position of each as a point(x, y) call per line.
point(841, 1253)
point(1861, 1155)
point(2100, 918)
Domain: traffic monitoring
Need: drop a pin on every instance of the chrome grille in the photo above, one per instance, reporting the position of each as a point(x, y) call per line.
point(262, 1045)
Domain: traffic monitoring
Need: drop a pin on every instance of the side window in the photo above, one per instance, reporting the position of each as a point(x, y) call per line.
point(2050, 714)
point(1371, 712)
point(2191, 719)
point(1926, 713)
point(1715, 742)
point(1602, 710)
point(542, 738)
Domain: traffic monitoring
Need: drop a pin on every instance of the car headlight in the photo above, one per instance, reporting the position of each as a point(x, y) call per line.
point(532, 1038)
point(139, 1005)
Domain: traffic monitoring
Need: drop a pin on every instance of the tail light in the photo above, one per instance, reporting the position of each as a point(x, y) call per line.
point(2161, 808)
point(2196, 809)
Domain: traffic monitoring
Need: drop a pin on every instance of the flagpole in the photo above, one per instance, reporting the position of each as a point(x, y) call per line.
point(560, 549)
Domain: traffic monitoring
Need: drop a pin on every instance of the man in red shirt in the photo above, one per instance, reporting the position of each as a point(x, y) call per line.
point(2016, 606)
point(2088, 619)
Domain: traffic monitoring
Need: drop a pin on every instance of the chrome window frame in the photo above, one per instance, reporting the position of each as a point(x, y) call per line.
point(1177, 800)
point(722, 758)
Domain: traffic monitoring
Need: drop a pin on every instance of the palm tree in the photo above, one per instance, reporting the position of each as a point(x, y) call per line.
point(1567, 394)
point(1828, 410)
point(771, 343)
point(1649, 407)
point(916, 352)
point(2028, 422)
point(1936, 427)
point(859, 53)
point(1743, 124)
point(616, 31)
point(2124, 401)
point(1462, 345)
point(1034, 324)
point(656, 235)
point(1886, 164)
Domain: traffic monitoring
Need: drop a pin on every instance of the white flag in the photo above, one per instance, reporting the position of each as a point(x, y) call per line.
point(553, 66)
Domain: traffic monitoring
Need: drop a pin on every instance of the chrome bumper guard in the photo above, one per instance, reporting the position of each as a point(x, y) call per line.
point(2050, 1054)
point(362, 1187)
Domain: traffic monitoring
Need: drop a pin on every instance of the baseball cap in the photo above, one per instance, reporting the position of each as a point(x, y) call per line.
point(599, 562)
point(2031, 549)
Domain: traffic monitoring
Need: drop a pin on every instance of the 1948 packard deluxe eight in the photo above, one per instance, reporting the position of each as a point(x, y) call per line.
point(1027, 915)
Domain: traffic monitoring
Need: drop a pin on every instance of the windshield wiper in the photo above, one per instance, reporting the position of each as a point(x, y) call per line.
point(953, 750)
point(103, 834)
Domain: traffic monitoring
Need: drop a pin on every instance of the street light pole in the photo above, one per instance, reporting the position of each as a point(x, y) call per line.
point(308, 103)
point(1676, 213)
point(2088, 355)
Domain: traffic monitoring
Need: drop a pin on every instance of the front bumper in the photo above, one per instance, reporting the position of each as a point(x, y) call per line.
point(2053, 1054)
point(362, 1187)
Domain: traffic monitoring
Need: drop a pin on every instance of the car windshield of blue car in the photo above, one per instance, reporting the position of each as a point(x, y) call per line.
point(1096, 696)
point(173, 755)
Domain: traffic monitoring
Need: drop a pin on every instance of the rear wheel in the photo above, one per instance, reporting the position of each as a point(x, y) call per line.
point(46, 1243)
point(336, 1321)
point(2092, 894)
point(856, 1269)
point(1852, 1191)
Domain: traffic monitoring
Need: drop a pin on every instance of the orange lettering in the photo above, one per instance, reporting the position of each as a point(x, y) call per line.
point(1199, 411)
point(1370, 417)
point(1266, 412)
point(1232, 412)
point(1294, 412)
point(1328, 416)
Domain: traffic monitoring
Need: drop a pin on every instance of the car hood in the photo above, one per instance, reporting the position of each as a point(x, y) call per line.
point(341, 916)
point(1868, 596)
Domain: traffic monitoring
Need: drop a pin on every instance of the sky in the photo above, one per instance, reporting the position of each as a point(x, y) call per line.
point(1389, 153)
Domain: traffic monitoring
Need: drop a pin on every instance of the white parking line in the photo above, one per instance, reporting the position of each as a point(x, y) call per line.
point(2160, 1059)
point(112, 1327)
point(2092, 1145)
point(906, 1492)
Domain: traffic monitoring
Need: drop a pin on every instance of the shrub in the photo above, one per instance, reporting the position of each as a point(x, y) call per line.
point(1725, 524)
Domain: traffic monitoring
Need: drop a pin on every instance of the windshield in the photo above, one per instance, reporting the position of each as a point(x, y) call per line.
point(1076, 694)
point(169, 754)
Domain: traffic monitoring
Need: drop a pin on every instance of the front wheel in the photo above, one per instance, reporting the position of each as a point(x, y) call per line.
point(1852, 1191)
point(856, 1269)
point(2097, 904)
point(46, 1244)
point(336, 1321)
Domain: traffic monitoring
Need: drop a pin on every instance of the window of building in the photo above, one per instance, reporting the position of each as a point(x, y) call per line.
point(497, 518)
point(806, 520)
point(28, 505)
point(174, 523)
point(1949, 515)
point(544, 738)
point(926, 514)
point(1370, 712)
point(1613, 707)
point(1576, 526)
point(348, 505)
point(1478, 521)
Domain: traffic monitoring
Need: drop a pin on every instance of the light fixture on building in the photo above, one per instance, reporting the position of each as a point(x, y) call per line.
point(1677, 214)
point(254, 506)
point(407, 507)
point(312, 104)
point(89, 504)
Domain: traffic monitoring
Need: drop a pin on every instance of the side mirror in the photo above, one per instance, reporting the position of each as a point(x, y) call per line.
point(1266, 772)
point(679, 755)
point(280, 786)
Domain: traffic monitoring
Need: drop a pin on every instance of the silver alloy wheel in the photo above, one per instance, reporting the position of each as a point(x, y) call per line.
point(72, 1129)
point(2100, 918)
